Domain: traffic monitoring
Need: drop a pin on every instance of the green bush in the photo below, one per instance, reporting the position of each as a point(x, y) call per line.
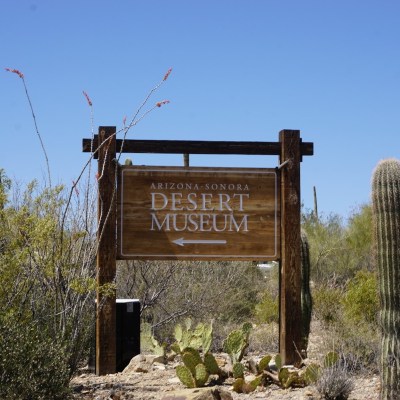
point(327, 304)
point(360, 342)
point(361, 301)
point(351, 316)
point(267, 310)
point(33, 365)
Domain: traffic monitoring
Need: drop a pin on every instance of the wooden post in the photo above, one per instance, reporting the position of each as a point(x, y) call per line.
point(106, 254)
point(290, 278)
point(186, 160)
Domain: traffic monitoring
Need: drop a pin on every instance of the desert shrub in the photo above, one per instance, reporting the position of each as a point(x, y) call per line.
point(47, 259)
point(351, 323)
point(359, 341)
point(33, 365)
point(169, 292)
point(359, 235)
point(267, 310)
point(327, 241)
point(264, 339)
point(361, 301)
point(327, 304)
point(335, 381)
point(339, 250)
point(351, 315)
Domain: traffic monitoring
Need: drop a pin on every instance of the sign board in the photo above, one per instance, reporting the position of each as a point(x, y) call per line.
point(189, 213)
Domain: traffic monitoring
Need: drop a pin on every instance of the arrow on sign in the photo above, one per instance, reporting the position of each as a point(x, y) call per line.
point(182, 241)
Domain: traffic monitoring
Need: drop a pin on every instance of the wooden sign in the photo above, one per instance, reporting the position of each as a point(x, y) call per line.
point(198, 213)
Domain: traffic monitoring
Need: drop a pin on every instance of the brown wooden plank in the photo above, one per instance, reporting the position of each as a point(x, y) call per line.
point(290, 279)
point(220, 213)
point(196, 147)
point(106, 255)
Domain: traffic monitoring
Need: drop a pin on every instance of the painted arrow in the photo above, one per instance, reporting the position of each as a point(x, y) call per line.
point(182, 241)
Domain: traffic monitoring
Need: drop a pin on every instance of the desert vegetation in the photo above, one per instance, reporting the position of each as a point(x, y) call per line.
point(48, 244)
point(47, 289)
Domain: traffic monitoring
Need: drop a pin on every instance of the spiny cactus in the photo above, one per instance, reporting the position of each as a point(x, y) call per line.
point(282, 376)
point(264, 363)
point(238, 370)
point(211, 364)
point(237, 342)
point(241, 386)
point(306, 299)
point(196, 371)
point(185, 376)
point(191, 360)
point(386, 214)
point(201, 375)
point(199, 337)
point(150, 342)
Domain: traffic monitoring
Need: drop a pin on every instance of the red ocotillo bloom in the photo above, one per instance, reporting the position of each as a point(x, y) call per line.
point(15, 71)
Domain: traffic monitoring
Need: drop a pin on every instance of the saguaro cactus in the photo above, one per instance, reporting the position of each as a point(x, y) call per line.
point(306, 299)
point(386, 213)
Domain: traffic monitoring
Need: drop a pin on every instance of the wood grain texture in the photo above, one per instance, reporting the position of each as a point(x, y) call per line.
point(159, 205)
point(290, 279)
point(106, 255)
point(196, 147)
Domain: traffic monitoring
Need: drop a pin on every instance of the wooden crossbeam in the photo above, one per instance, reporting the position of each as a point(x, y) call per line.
point(195, 147)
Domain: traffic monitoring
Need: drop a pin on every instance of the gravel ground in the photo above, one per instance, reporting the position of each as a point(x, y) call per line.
point(156, 381)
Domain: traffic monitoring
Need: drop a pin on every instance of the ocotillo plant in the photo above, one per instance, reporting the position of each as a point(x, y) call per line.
point(386, 213)
point(306, 299)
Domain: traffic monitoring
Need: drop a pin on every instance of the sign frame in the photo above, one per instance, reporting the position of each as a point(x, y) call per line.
point(139, 183)
point(290, 150)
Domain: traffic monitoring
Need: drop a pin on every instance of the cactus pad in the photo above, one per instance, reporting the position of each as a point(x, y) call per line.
point(264, 363)
point(190, 361)
point(201, 375)
point(238, 370)
point(185, 376)
point(211, 364)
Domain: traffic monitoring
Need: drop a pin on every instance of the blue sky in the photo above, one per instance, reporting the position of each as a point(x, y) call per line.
point(242, 70)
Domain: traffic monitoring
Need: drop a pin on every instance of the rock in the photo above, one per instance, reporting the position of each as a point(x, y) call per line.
point(152, 358)
point(138, 358)
point(215, 393)
point(174, 380)
point(114, 395)
point(252, 366)
point(77, 388)
point(143, 363)
point(222, 359)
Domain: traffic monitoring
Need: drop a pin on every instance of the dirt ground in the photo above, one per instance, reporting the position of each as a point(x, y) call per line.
point(148, 380)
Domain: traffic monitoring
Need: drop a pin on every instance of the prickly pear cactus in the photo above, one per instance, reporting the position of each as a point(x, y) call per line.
point(306, 299)
point(264, 363)
point(386, 214)
point(201, 375)
point(238, 370)
point(199, 337)
point(195, 371)
point(237, 342)
point(185, 376)
point(211, 364)
point(191, 361)
point(206, 338)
